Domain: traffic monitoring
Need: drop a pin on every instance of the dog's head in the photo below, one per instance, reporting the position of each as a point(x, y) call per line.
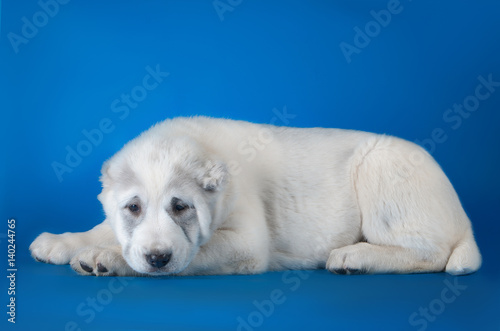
point(161, 196)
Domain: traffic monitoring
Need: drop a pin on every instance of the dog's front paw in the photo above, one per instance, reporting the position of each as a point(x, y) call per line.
point(101, 261)
point(347, 261)
point(55, 248)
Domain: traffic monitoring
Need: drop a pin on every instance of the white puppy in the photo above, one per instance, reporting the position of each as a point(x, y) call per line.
point(195, 196)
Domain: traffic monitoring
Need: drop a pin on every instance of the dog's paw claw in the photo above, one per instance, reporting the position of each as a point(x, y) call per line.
point(86, 267)
point(101, 261)
point(347, 261)
point(348, 271)
point(339, 271)
point(355, 271)
point(101, 268)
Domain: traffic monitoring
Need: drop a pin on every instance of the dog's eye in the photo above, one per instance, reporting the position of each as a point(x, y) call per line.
point(178, 205)
point(134, 208)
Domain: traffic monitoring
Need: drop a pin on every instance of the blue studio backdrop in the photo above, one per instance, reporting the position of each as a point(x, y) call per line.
point(81, 78)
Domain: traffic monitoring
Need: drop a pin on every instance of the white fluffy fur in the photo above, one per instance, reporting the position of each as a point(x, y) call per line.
point(270, 198)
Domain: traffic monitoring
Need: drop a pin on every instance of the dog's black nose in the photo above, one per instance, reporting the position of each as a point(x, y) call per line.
point(158, 260)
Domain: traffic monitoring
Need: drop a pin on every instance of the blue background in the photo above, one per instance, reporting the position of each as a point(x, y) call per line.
point(249, 62)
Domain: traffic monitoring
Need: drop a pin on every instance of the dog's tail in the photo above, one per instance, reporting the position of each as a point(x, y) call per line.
point(465, 258)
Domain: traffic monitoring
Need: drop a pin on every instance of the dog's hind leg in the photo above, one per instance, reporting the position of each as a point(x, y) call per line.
point(368, 258)
point(412, 219)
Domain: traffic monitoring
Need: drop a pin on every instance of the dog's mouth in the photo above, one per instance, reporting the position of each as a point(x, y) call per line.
point(155, 262)
point(156, 272)
point(168, 269)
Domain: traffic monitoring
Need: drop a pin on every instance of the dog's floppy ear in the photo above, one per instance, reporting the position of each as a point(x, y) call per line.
point(105, 180)
point(213, 175)
point(114, 171)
